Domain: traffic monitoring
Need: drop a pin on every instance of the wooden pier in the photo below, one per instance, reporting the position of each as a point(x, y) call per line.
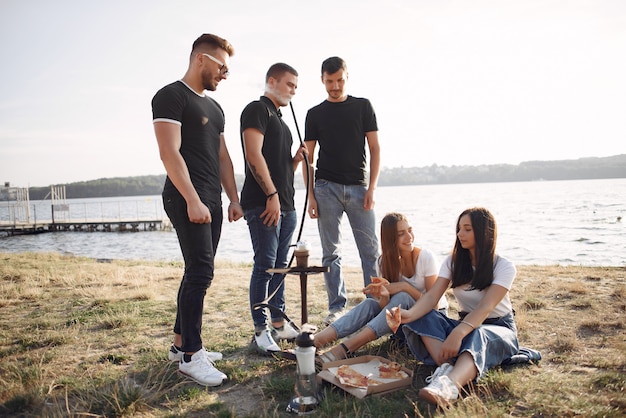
point(20, 216)
point(7, 228)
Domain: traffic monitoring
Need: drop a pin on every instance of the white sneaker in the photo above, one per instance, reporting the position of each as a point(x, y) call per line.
point(333, 316)
point(442, 370)
point(441, 391)
point(286, 332)
point(265, 343)
point(176, 355)
point(201, 370)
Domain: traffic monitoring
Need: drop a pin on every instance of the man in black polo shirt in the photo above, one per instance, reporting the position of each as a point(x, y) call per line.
point(189, 128)
point(267, 199)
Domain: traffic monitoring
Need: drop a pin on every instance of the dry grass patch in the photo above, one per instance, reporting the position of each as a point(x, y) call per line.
point(83, 338)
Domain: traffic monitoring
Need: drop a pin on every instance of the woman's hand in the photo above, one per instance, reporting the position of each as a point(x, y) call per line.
point(449, 348)
point(379, 292)
point(404, 315)
point(375, 287)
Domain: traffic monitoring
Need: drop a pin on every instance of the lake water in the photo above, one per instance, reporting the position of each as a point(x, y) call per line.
point(577, 222)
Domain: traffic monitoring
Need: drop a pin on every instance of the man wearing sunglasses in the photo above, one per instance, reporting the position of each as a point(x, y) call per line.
point(189, 128)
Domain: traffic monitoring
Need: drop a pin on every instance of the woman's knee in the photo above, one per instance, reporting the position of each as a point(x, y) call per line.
point(403, 299)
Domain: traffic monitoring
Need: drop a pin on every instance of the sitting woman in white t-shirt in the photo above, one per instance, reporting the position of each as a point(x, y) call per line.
point(485, 335)
point(410, 271)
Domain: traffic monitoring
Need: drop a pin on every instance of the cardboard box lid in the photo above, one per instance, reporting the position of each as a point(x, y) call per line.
point(365, 363)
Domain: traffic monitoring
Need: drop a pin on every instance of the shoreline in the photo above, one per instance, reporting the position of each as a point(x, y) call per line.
point(220, 261)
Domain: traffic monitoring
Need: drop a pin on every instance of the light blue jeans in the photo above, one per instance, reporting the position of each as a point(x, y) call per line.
point(271, 247)
point(369, 313)
point(333, 200)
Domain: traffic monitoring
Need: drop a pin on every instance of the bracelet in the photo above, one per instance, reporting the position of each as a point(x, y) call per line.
point(269, 196)
point(467, 323)
point(235, 203)
point(345, 348)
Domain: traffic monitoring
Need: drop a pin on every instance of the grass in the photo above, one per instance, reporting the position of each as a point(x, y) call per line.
point(80, 338)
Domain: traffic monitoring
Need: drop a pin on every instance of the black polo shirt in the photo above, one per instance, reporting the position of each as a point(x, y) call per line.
point(277, 141)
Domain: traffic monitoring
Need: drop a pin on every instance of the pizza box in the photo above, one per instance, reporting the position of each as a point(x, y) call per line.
point(365, 365)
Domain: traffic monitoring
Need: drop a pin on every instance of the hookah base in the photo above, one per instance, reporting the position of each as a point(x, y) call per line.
point(308, 405)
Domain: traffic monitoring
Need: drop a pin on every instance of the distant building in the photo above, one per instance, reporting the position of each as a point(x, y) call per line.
point(12, 193)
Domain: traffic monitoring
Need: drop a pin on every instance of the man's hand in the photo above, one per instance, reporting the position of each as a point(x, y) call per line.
point(235, 212)
point(313, 213)
point(368, 202)
point(198, 213)
point(301, 154)
point(271, 214)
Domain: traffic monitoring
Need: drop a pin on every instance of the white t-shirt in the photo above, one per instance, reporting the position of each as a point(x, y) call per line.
point(426, 265)
point(503, 275)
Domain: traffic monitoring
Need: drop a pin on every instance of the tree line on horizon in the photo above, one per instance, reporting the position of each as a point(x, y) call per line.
point(583, 168)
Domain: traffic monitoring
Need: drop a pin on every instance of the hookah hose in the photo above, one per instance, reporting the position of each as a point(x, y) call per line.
point(307, 182)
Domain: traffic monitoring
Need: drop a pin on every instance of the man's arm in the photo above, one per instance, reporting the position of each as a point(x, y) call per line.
point(310, 146)
point(227, 178)
point(169, 141)
point(253, 151)
point(300, 156)
point(374, 147)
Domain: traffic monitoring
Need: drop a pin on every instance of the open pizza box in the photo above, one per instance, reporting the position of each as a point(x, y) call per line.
point(366, 365)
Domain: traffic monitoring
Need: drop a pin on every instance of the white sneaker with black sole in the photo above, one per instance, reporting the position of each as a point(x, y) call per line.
point(176, 355)
point(264, 342)
point(201, 370)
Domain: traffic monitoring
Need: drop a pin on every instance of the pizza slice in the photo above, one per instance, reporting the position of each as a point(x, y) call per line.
point(374, 382)
point(394, 318)
point(350, 377)
point(374, 288)
point(392, 370)
point(379, 280)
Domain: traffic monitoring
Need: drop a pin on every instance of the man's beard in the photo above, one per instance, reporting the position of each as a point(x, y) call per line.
point(208, 81)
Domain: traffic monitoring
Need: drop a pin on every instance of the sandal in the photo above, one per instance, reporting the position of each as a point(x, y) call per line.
point(329, 356)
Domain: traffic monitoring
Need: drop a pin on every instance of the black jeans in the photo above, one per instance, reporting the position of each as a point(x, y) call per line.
point(198, 243)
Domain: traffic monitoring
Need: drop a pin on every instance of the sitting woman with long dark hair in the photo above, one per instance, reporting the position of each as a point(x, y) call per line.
point(485, 335)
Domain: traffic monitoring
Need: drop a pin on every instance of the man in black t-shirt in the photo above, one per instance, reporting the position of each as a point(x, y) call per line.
point(189, 128)
point(267, 199)
point(342, 125)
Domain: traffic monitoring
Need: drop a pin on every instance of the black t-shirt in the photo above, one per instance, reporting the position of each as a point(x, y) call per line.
point(340, 129)
point(202, 121)
point(277, 141)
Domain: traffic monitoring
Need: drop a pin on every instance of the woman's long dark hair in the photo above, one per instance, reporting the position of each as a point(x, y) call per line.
point(390, 257)
point(485, 234)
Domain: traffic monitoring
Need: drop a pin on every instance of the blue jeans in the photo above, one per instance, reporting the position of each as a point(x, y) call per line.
point(333, 200)
point(198, 243)
point(271, 246)
point(369, 313)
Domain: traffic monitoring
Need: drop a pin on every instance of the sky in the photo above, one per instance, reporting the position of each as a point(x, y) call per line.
point(453, 82)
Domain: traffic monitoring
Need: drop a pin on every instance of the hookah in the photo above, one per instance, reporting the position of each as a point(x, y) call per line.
point(306, 400)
